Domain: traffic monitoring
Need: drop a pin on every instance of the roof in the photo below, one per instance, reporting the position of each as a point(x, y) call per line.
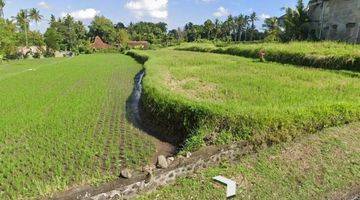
point(144, 44)
point(99, 44)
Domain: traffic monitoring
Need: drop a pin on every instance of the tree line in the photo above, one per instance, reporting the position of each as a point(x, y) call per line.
point(66, 33)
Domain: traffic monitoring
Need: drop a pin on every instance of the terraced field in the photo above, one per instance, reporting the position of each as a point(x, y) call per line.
point(63, 123)
point(215, 99)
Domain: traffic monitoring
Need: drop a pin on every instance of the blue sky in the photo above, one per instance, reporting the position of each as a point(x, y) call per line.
point(174, 12)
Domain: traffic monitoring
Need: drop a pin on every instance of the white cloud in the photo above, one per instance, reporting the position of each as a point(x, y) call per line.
point(154, 8)
point(44, 5)
point(84, 14)
point(221, 12)
point(264, 16)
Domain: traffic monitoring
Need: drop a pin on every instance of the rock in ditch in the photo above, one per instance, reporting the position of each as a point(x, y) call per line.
point(170, 160)
point(161, 162)
point(148, 168)
point(188, 155)
point(149, 177)
point(126, 173)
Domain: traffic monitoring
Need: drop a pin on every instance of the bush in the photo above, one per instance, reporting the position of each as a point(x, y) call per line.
point(37, 55)
point(49, 53)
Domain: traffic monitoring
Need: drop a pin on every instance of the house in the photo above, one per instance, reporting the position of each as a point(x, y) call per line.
point(335, 19)
point(99, 44)
point(139, 44)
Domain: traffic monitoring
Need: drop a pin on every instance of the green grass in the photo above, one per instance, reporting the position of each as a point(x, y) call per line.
point(214, 99)
point(329, 55)
point(324, 166)
point(64, 124)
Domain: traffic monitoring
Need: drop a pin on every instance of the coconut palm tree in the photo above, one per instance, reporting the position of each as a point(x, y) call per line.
point(253, 18)
point(22, 19)
point(34, 15)
point(2, 5)
point(240, 24)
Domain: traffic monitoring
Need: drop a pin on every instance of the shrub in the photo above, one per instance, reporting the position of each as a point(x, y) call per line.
point(37, 55)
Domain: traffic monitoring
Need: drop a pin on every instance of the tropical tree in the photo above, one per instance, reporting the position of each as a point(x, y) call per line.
point(296, 22)
point(2, 5)
point(52, 39)
point(272, 29)
point(102, 27)
point(208, 29)
point(22, 19)
point(253, 18)
point(240, 24)
point(8, 38)
point(122, 37)
point(217, 28)
point(34, 15)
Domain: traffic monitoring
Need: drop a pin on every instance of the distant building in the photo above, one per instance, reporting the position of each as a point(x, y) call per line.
point(335, 19)
point(139, 44)
point(99, 44)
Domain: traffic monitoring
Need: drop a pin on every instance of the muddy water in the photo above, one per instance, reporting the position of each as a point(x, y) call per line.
point(163, 146)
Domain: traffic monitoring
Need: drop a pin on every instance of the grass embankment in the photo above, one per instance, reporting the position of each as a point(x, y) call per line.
point(324, 166)
point(215, 99)
point(63, 123)
point(328, 55)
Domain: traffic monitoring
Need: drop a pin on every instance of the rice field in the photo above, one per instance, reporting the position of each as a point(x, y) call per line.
point(63, 124)
point(216, 99)
point(328, 55)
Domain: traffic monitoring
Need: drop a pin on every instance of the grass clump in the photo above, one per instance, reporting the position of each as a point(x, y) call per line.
point(328, 55)
point(203, 96)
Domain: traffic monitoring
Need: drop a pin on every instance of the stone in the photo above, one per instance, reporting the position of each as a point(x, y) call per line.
point(149, 177)
point(188, 155)
point(126, 173)
point(170, 159)
point(148, 168)
point(161, 162)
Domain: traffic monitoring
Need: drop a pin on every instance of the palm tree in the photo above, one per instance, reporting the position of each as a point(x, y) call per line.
point(246, 21)
point(2, 5)
point(272, 28)
point(253, 19)
point(22, 19)
point(217, 28)
point(34, 15)
point(240, 24)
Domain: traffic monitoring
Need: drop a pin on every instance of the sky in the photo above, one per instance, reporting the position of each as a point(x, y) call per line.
point(176, 13)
